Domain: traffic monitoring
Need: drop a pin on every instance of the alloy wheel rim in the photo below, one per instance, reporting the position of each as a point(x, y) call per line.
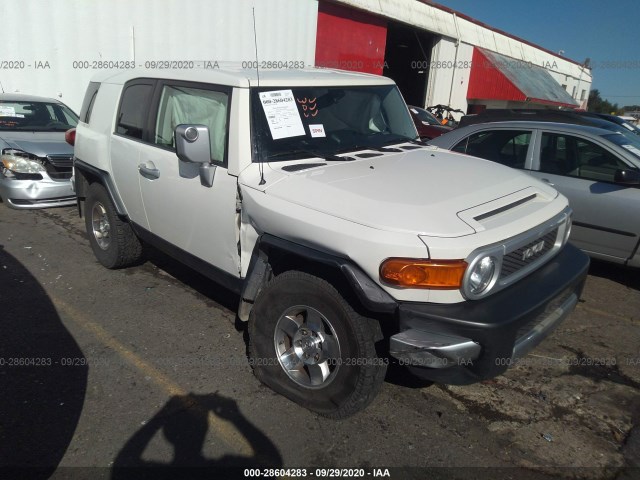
point(100, 226)
point(307, 347)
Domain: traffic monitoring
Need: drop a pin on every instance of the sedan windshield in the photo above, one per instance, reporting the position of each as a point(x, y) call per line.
point(303, 122)
point(36, 116)
point(627, 142)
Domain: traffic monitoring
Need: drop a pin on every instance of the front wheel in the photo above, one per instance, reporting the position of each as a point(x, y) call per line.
point(308, 344)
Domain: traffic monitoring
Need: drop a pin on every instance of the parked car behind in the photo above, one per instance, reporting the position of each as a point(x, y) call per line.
point(36, 163)
point(600, 120)
point(428, 126)
point(620, 121)
point(596, 169)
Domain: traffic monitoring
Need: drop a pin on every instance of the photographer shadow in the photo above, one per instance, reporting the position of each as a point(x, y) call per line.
point(41, 394)
point(184, 421)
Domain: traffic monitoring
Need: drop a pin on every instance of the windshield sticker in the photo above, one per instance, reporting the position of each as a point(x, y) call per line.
point(7, 111)
point(317, 131)
point(282, 115)
point(632, 149)
point(309, 106)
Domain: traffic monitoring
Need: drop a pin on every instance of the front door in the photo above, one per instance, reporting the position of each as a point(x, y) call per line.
point(197, 219)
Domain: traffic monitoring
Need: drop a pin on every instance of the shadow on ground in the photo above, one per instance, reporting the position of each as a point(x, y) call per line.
point(629, 277)
point(43, 378)
point(184, 422)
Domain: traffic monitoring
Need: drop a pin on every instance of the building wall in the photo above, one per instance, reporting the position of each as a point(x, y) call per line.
point(62, 44)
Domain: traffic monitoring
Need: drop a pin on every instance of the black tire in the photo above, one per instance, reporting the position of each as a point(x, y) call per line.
point(114, 243)
point(354, 371)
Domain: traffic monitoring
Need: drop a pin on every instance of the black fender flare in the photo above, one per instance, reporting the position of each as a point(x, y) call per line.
point(372, 297)
point(83, 171)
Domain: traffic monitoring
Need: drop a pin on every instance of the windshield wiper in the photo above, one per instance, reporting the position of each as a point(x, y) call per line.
point(325, 156)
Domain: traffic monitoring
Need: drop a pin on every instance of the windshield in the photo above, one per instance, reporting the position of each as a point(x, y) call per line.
point(36, 116)
point(424, 116)
point(629, 142)
point(301, 122)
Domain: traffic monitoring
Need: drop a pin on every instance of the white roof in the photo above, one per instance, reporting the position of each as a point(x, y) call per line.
point(245, 78)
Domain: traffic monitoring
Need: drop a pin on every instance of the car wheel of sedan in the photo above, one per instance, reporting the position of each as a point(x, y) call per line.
point(308, 344)
point(113, 241)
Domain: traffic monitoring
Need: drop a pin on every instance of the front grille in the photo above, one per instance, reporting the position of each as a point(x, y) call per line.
point(516, 260)
point(59, 167)
point(61, 161)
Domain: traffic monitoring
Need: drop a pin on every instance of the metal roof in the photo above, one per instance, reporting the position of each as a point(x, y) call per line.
point(498, 77)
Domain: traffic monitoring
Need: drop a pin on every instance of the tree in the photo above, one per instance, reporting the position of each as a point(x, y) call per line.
point(599, 105)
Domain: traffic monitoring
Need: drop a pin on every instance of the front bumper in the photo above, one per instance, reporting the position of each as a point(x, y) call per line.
point(475, 340)
point(21, 194)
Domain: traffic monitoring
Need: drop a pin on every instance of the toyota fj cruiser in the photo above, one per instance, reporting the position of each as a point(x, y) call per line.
point(309, 194)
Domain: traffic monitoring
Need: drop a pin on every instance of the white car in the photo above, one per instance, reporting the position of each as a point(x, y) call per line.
point(309, 194)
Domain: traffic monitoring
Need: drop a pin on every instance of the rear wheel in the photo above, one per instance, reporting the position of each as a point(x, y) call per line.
point(307, 343)
point(113, 241)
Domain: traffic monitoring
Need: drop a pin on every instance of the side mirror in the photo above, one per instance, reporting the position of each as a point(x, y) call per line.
point(627, 177)
point(192, 146)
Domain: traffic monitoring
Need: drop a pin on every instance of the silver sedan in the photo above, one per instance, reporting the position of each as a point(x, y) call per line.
point(36, 163)
point(597, 170)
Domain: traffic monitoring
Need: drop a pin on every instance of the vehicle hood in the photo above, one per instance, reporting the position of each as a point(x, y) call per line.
point(421, 191)
point(40, 144)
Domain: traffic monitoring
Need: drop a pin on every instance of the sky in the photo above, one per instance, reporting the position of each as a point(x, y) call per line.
point(607, 32)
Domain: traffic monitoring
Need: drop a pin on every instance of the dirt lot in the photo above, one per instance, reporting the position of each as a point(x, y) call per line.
point(145, 367)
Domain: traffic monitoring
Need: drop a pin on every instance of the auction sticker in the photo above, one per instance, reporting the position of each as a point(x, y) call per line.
point(282, 114)
point(317, 131)
point(7, 111)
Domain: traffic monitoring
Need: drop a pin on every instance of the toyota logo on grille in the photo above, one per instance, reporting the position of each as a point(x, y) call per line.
point(531, 251)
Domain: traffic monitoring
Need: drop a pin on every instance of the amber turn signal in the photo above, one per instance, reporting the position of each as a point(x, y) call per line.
point(417, 273)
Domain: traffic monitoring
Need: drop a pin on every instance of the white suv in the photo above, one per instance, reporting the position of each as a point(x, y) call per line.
point(309, 194)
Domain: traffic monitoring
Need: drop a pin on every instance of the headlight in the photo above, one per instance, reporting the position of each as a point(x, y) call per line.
point(18, 161)
point(481, 275)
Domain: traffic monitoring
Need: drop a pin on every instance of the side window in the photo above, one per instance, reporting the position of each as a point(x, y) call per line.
point(133, 108)
point(577, 157)
point(508, 147)
point(189, 105)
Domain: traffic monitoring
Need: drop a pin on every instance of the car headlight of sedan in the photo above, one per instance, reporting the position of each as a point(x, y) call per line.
point(18, 161)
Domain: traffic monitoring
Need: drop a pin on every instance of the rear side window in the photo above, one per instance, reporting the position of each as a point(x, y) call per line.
point(508, 147)
point(132, 114)
point(89, 99)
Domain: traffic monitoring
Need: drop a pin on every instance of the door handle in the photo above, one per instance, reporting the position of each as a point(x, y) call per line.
point(149, 172)
point(546, 180)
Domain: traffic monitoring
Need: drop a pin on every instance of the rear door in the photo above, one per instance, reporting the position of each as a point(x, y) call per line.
point(126, 144)
point(606, 220)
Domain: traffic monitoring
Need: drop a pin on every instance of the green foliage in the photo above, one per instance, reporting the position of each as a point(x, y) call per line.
point(598, 105)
